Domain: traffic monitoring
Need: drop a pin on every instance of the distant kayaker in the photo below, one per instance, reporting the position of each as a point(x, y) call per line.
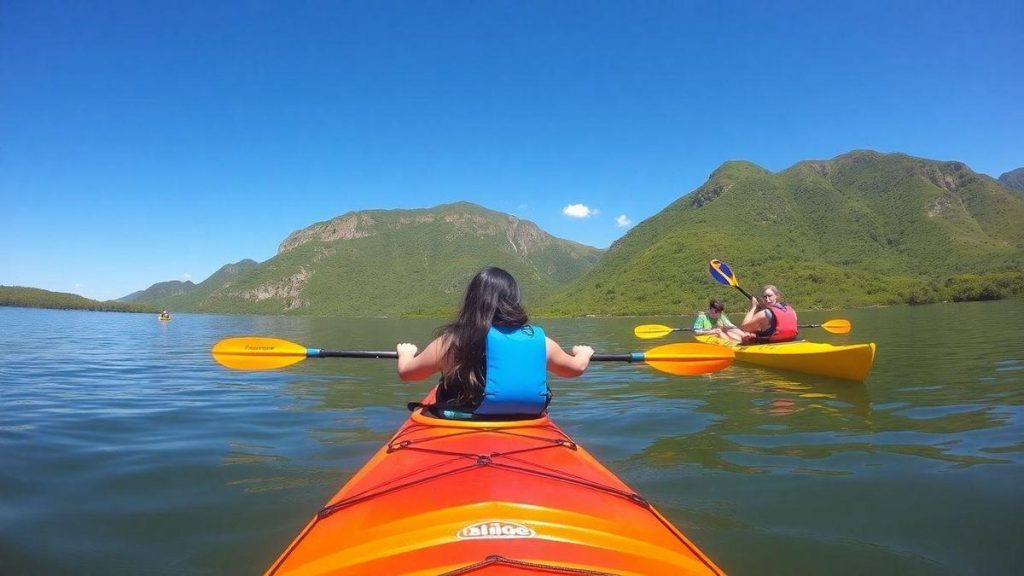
point(714, 322)
point(771, 321)
point(492, 361)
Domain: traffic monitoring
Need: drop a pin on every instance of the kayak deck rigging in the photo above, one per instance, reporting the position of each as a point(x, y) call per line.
point(488, 497)
point(496, 560)
point(477, 460)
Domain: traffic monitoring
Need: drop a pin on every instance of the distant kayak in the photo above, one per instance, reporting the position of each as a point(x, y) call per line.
point(488, 497)
point(849, 362)
point(162, 317)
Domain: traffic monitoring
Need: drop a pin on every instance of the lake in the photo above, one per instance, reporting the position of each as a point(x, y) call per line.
point(126, 450)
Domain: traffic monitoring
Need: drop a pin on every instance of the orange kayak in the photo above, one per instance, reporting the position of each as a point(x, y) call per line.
point(486, 498)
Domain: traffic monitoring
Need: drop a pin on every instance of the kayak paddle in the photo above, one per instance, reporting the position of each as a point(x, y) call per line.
point(648, 331)
point(258, 353)
point(722, 274)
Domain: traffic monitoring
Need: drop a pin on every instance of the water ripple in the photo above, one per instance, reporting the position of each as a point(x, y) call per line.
point(127, 450)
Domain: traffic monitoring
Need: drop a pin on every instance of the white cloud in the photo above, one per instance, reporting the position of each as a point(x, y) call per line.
point(579, 211)
point(186, 277)
point(622, 221)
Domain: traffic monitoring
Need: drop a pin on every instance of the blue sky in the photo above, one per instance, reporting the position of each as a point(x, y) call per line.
point(147, 141)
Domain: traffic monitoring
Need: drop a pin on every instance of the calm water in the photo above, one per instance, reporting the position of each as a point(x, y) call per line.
point(126, 450)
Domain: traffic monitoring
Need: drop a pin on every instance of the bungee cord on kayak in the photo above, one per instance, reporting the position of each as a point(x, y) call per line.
point(457, 459)
point(445, 496)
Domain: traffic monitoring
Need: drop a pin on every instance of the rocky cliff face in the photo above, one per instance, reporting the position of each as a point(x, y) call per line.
point(465, 219)
point(345, 227)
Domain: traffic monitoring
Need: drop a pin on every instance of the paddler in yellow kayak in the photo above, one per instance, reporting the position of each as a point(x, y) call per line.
point(714, 322)
point(772, 320)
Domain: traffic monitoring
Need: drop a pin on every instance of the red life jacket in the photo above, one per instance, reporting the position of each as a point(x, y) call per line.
point(784, 325)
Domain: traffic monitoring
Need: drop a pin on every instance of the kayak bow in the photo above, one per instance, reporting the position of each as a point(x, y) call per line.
point(488, 497)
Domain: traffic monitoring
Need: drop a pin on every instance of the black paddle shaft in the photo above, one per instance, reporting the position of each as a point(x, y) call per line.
point(351, 354)
point(316, 353)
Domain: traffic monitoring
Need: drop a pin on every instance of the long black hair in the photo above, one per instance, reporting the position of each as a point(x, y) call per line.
point(492, 298)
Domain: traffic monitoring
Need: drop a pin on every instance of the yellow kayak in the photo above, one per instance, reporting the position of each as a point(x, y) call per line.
point(850, 362)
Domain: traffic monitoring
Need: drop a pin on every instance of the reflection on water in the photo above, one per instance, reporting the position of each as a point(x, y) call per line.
point(122, 439)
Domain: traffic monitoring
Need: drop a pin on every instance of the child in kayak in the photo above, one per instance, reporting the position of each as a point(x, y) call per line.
point(714, 322)
point(492, 361)
point(772, 321)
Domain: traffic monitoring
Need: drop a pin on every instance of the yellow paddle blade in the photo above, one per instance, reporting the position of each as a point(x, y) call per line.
point(255, 353)
point(648, 331)
point(837, 326)
point(690, 358)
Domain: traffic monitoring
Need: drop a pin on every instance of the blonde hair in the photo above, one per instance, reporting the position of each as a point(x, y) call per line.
point(778, 293)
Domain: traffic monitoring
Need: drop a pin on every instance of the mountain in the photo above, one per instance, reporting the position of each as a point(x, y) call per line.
point(390, 262)
point(864, 228)
point(1014, 179)
point(39, 298)
point(160, 291)
point(177, 295)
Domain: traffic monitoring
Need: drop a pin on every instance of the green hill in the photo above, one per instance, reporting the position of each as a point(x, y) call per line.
point(38, 298)
point(1014, 179)
point(390, 262)
point(861, 229)
point(177, 295)
point(160, 291)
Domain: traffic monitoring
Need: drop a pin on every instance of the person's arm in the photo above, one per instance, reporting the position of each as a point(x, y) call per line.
point(757, 318)
point(701, 324)
point(751, 315)
point(725, 321)
point(568, 365)
point(417, 367)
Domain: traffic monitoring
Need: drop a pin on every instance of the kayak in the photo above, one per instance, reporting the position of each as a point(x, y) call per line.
point(849, 362)
point(163, 317)
point(511, 497)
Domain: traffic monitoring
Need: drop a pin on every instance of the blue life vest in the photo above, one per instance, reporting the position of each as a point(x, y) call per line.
point(517, 373)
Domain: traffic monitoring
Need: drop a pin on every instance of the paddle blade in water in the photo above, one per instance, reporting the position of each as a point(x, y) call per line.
point(837, 326)
point(689, 359)
point(254, 353)
point(648, 331)
point(721, 273)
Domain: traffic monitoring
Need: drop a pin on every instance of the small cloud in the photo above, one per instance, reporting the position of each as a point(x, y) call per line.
point(186, 277)
point(79, 285)
point(622, 221)
point(579, 211)
point(522, 206)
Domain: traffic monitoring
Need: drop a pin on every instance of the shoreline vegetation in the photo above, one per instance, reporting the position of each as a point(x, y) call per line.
point(24, 297)
point(966, 288)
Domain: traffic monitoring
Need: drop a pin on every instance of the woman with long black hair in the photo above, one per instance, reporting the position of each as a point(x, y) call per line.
point(492, 361)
